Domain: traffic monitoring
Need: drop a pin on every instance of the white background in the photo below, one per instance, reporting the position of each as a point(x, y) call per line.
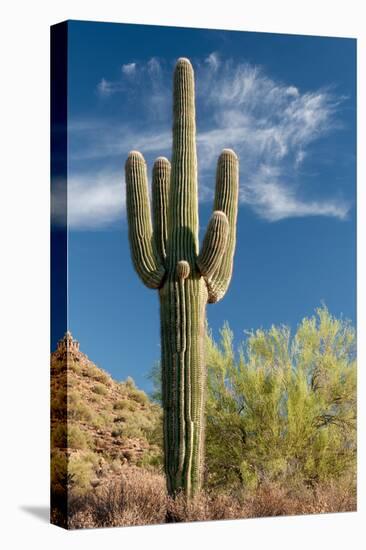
point(24, 272)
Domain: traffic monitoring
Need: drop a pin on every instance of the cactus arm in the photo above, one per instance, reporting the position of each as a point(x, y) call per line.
point(226, 200)
point(160, 203)
point(214, 243)
point(183, 208)
point(144, 256)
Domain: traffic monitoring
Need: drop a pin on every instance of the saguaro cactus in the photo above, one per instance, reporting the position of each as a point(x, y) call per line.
point(166, 257)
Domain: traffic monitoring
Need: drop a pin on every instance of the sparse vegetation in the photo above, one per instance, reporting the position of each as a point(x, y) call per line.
point(98, 375)
point(81, 472)
point(75, 367)
point(101, 420)
point(100, 389)
point(140, 498)
point(138, 396)
point(108, 424)
point(281, 434)
point(59, 436)
point(78, 409)
point(124, 404)
point(77, 438)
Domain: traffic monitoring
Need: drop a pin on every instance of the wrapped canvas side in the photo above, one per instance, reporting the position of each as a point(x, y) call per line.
point(59, 474)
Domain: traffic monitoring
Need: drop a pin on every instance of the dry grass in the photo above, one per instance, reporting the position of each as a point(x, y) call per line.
point(274, 500)
point(139, 498)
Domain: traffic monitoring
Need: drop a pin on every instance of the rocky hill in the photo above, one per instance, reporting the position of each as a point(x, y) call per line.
point(98, 425)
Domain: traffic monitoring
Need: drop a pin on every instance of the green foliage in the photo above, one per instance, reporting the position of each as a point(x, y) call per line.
point(59, 403)
point(59, 474)
point(77, 438)
point(69, 436)
point(137, 424)
point(283, 408)
point(77, 409)
point(81, 471)
point(101, 420)
point(131, 395)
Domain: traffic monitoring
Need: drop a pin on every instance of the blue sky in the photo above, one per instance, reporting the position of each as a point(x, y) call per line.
point(285, 104)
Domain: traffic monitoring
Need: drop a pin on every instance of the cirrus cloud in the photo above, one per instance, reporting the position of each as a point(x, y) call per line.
point(272, 126)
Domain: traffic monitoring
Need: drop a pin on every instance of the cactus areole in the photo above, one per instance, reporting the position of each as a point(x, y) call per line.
point(166, 256)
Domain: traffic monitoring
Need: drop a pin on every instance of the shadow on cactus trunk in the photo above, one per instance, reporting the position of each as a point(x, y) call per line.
point(166, 255)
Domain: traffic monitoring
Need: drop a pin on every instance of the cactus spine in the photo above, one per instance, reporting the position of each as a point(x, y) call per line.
point(166, 256)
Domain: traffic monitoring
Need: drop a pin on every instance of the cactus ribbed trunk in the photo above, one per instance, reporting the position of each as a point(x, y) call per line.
point(182, 309)
point(166, 257)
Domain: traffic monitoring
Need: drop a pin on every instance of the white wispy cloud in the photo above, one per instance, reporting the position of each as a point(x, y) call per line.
point(270, 124)
point(106, 88)
point(213, 60)
point(274, 201)
point(94, 200)
point(154, 66)
point(129, 69)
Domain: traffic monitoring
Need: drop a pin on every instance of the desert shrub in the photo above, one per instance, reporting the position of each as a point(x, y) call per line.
point(154, 376)
point(124, 404)
point(138, 396)
point(116, 466)
point(203, 507)
point(59, 479)
point(75, 367)
point(120, 405)
point(119, 419)
point(97, 374)
point(274, 499)
point(153, 433)
point(96, 398)
point(59, 403)
point(282, 409)
point(129, 383)
point(77, 409)
point(73, 397)
point(59, 436)
point(100, 389)
point(77, 438)
point(101, 420)
point(140, 498)
point(131, 430)
point(139, 424)
point(81, 471)
point(152, 458)
point(65, 436)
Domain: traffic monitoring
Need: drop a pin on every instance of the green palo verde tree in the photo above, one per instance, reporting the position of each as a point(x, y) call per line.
point(166, 256)
point(282, 408)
